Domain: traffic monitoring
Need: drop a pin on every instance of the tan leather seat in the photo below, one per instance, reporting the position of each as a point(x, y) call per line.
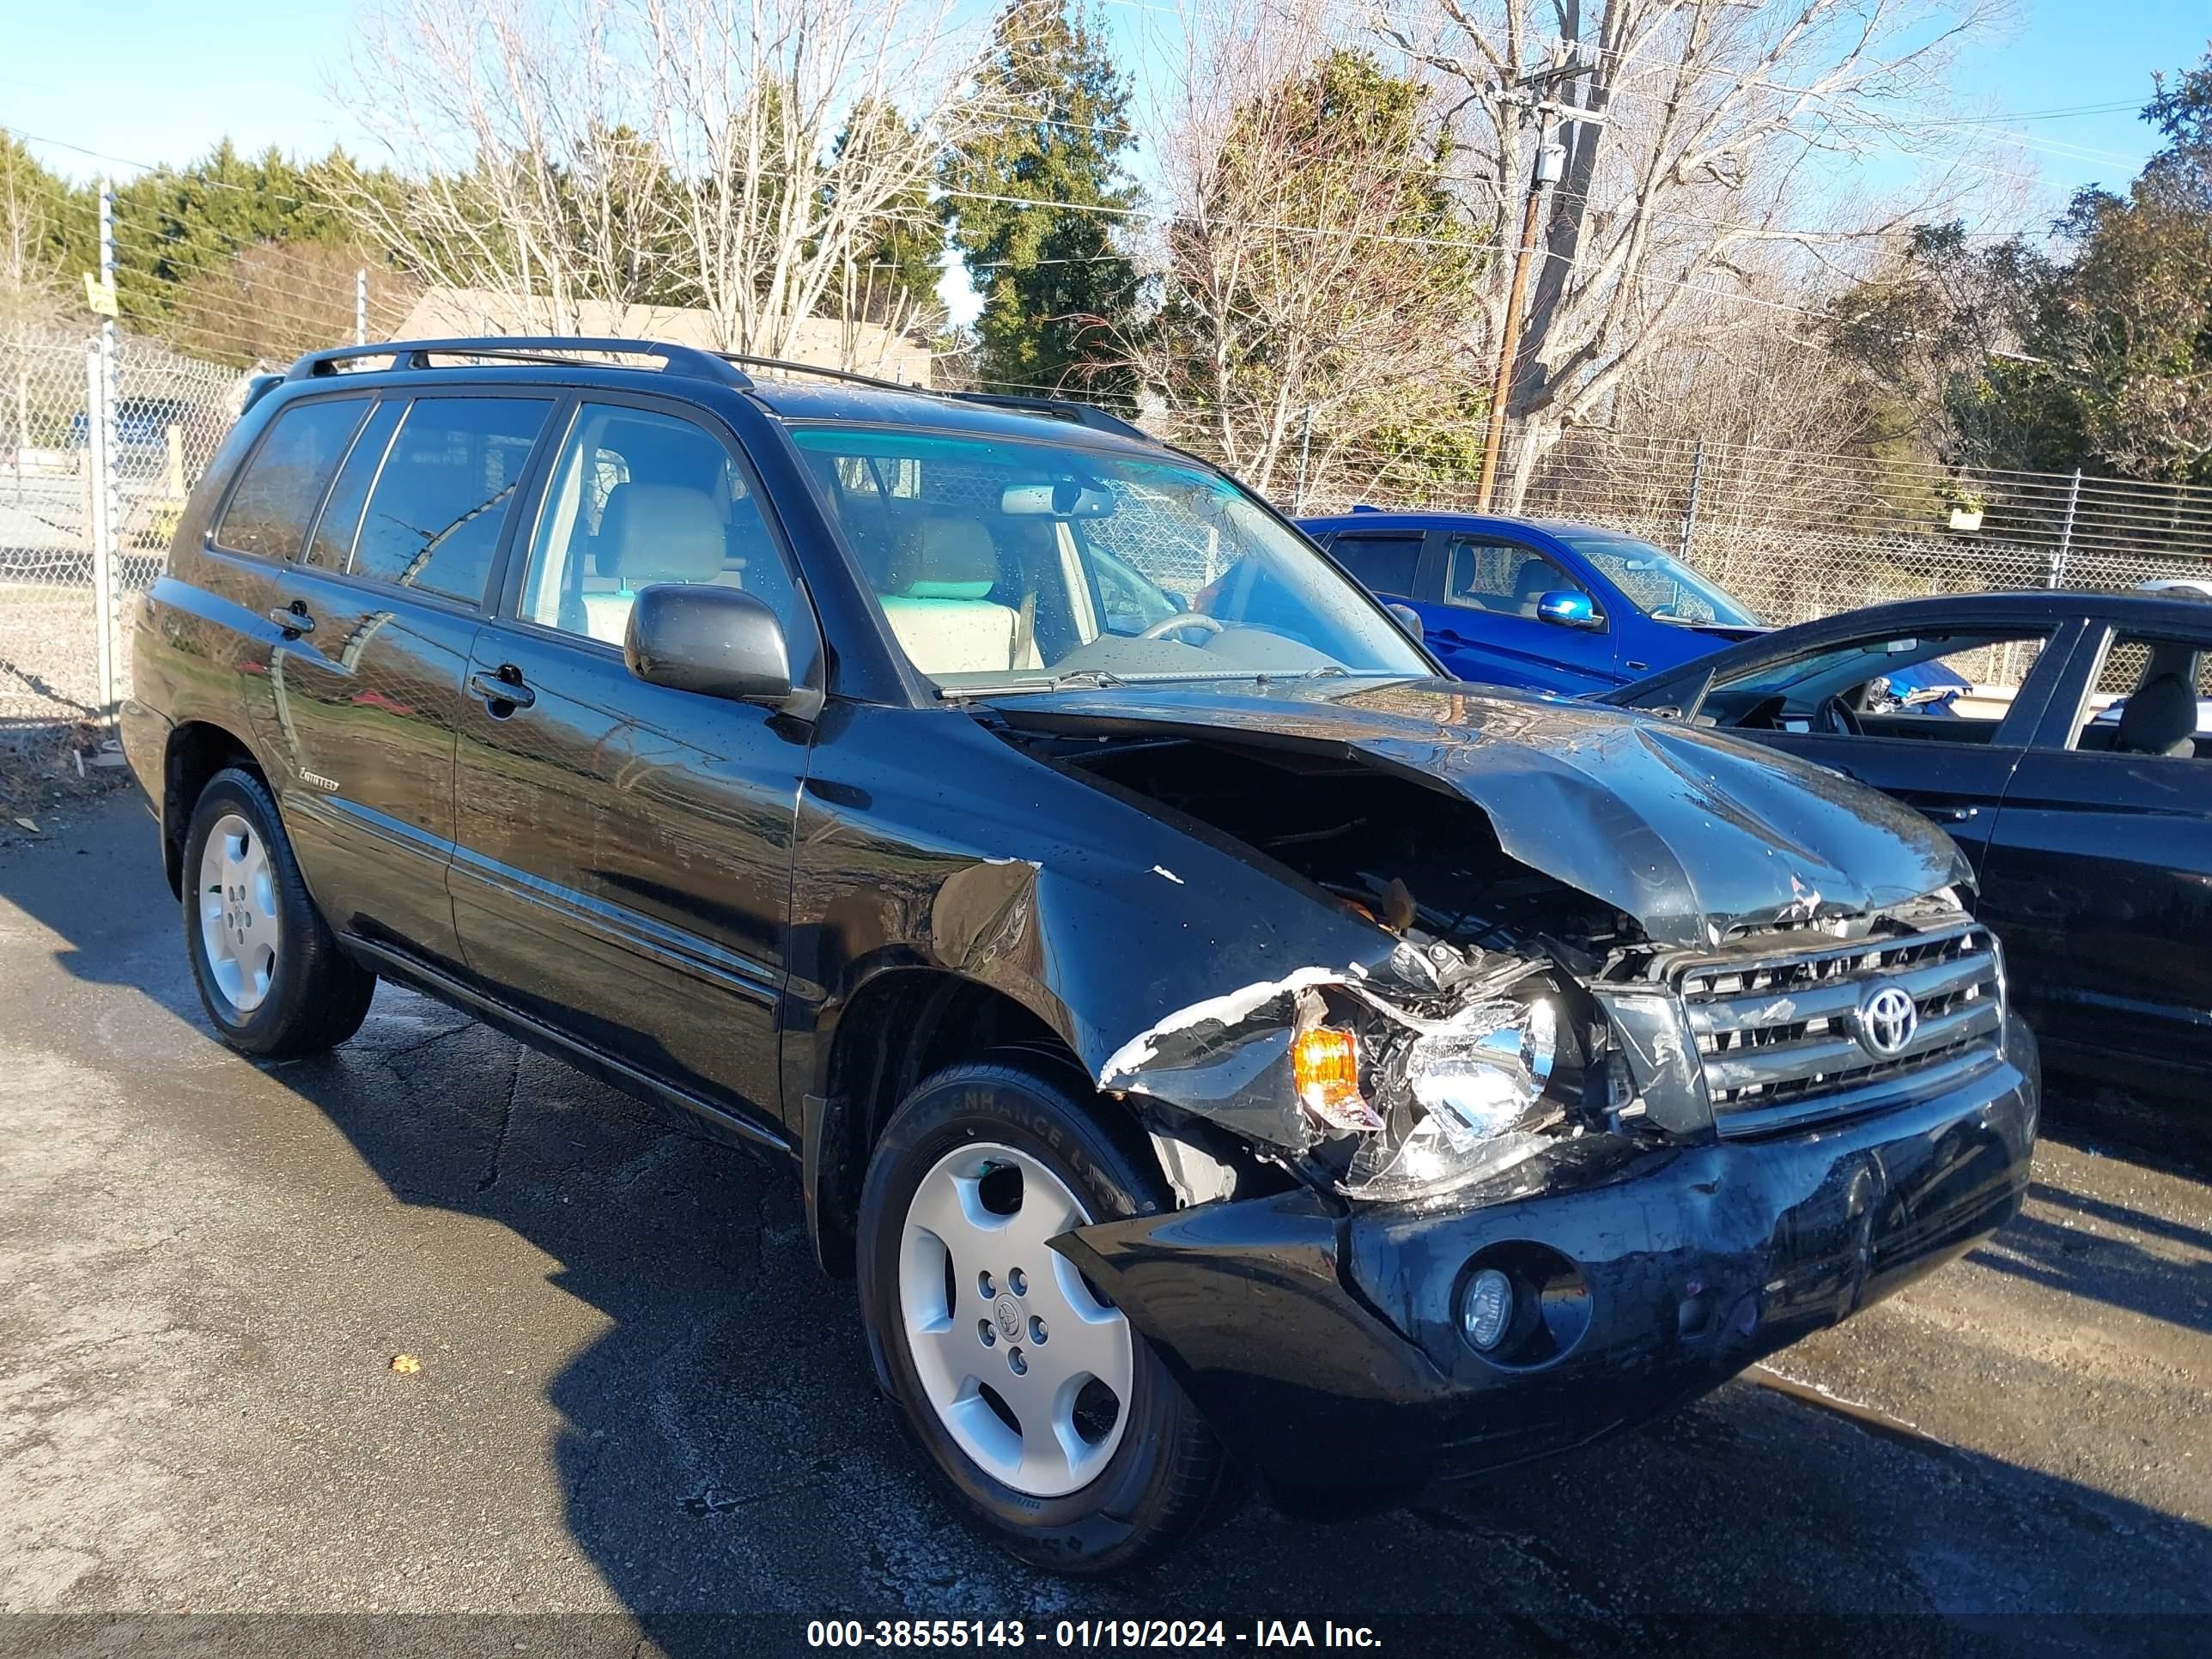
point(936, 598)
point(652, 534)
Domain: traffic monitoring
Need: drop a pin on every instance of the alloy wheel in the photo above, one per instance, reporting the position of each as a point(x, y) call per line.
point(238, 927)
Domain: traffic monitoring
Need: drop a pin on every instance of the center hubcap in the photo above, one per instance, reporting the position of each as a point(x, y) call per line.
point(1027, 1370)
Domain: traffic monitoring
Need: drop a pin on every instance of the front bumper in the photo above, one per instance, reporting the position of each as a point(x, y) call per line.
point(1322, 1343)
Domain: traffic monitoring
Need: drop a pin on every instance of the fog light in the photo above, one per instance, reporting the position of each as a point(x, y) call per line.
point(1486, 1309)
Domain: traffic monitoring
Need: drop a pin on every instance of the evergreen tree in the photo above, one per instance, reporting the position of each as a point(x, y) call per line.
point(1025, 193)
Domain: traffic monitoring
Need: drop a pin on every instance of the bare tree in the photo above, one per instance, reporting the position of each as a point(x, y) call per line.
point(578, 159)
point(1315, 281)
point(1705, 121)
point(514, 125)
point(807, 133)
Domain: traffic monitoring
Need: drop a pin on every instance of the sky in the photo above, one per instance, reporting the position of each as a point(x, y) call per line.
point(101, 87)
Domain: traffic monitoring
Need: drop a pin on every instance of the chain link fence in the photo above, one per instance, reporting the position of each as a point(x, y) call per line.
point(1796, 536)
point(98, 448)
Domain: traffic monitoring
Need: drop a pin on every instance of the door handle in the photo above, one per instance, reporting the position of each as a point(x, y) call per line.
point(1953, 814)
point(497, 689)
point(293, 619)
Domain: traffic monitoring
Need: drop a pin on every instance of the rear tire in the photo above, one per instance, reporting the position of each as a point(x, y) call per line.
point(1069, 1488)
point(271, 974)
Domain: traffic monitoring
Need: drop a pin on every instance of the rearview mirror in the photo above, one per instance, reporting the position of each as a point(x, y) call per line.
point(719, 642)
point(1569, 609)
point(1410, 620)
point(1064, 498)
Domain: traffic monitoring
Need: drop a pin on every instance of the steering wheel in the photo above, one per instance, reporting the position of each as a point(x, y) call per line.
point(1167, 625)
point(1834, 717)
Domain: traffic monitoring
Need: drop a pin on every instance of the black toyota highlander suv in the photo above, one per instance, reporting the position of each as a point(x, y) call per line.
point(1210, 1037)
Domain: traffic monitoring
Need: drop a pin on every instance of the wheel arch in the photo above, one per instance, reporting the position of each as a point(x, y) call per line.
point(901, 1024)
point(196, 751)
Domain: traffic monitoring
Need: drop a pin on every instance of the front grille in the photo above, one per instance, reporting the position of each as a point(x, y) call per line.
point(1777, 1026)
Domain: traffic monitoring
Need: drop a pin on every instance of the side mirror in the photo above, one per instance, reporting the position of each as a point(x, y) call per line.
point(719, 642)
point(1569, 609)
point(1410, 620)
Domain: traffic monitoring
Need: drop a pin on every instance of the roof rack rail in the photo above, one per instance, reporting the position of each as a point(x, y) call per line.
point(785, 365)
point(1064, 408)
point(727, 367)
point(558, 349)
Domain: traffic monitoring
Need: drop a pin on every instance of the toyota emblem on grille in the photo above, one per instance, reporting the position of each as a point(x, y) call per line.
point(1887, 1019)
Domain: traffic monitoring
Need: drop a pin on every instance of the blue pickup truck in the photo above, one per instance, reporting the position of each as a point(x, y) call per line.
point(1540, 603)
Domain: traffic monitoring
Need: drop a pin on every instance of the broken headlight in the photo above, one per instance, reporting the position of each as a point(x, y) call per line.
point(1458, 1098)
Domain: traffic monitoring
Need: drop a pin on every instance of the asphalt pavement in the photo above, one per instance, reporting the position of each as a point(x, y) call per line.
point(628, 1392)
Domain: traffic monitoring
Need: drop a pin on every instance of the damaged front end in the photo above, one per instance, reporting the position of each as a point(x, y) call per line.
point(1536, 1201)
point(1440, 1068)
point(1587, 1108)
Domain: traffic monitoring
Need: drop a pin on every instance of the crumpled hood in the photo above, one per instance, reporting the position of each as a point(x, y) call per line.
point(1689, 831)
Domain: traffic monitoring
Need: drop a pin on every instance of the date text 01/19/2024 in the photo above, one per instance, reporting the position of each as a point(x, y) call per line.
point(1084, 1634)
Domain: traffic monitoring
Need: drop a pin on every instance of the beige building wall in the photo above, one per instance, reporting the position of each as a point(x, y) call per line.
point(823, 342)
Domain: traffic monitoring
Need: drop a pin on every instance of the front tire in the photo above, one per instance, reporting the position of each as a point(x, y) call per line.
point(1059, 1429)
point(269, 971)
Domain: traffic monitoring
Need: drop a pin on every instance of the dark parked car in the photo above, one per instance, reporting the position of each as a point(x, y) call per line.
point(1550, 606)
point(1209, 1036)
point(2083, 798)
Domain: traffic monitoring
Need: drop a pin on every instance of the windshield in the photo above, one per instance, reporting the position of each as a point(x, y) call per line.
point(1002, 563)
point(1658, 584)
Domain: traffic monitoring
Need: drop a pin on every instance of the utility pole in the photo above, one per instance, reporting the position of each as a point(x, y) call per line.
point(1533, 91)
point(360, 305)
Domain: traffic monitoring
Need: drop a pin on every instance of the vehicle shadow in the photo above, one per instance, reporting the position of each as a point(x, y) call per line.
point(2108, 1253)
point(722, 1451)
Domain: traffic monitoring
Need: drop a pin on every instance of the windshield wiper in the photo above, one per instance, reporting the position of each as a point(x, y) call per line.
point(1093, 679)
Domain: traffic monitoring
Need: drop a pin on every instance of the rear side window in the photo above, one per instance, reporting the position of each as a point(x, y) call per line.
point(436, 507)
point(2152, 696)
point(331, 547)
point(276, 494)
point(1384, 564)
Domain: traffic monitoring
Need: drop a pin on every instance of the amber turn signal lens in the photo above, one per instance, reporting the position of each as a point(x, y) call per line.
point(1325, 1065)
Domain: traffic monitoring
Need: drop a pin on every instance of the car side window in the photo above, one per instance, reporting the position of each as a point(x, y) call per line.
point(1951, 688)
point(2151, 696)
point(331, 548)
point(435, 512)
point(639, 497)
point(1383, 564)
point(275, 496)
point(1501, 577)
